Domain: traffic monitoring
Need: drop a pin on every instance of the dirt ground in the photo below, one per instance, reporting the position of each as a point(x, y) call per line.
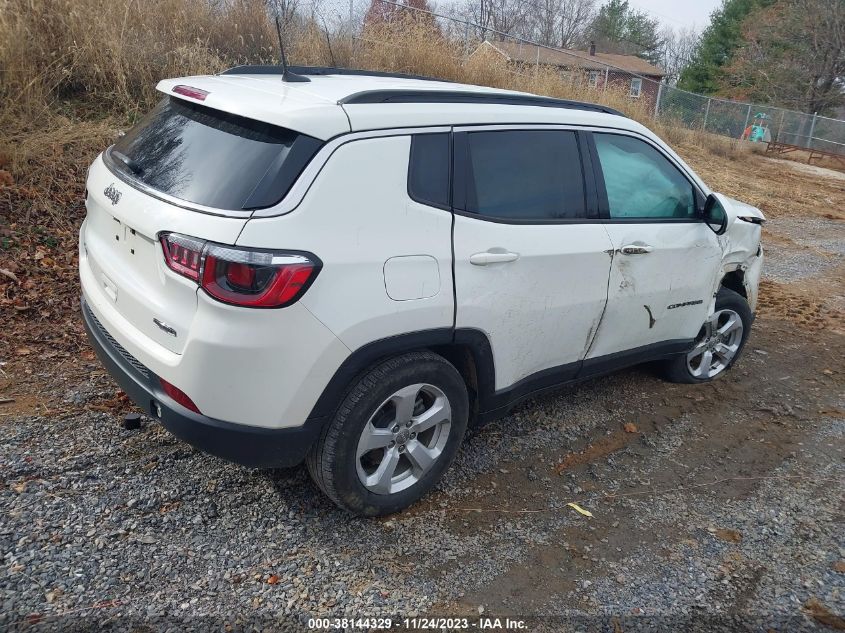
point(715, 507)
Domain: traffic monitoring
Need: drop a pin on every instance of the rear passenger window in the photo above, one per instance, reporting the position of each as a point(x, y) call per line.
point(641, 182)
point(525, 175)
point(428, 171)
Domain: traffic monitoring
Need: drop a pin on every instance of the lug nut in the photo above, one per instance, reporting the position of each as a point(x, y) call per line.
point(395, 429)
point(408, 424)
point(413, 436)
point(401, 448)
point(392, 444)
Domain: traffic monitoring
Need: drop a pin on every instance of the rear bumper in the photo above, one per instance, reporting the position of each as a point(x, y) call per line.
point(252, 446)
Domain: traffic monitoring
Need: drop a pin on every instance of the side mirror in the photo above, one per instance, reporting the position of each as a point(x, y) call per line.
point(714, 215)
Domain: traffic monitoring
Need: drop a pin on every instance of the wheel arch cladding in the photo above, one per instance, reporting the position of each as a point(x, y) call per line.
point(467, 350)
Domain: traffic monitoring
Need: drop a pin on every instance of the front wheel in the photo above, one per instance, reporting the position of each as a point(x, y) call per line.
point(393, 436)
point(718, 344)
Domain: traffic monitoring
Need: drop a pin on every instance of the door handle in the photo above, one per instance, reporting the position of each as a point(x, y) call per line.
point(492, 257)
point(636, 249)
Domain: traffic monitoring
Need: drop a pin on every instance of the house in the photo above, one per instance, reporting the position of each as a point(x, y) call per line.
point(640, 78)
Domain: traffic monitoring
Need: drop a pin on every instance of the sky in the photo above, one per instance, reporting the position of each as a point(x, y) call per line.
point(678, 13)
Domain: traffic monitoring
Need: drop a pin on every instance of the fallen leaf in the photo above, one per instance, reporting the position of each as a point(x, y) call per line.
point(272, 580)
point(731, 536)
point(579, 509)
point(20, 487)
point(9, 274)
point(630, 427)
point(23, 351)
point(6, 178)
point(839, 566)
point(822, 614)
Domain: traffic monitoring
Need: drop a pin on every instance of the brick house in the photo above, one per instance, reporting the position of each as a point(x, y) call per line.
point(628, 72)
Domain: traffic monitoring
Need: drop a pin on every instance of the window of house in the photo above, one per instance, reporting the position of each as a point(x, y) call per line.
point(641, 182)
point(636, 86)
point(525, 175)
point(593, 78)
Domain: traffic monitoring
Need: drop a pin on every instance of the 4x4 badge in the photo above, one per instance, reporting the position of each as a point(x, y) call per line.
point(112, 194)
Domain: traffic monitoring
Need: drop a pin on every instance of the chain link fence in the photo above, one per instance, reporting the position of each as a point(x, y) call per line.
point(776, 126)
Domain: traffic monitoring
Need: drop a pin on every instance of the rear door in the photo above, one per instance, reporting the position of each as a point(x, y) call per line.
point(531, 258)
point(665, 259)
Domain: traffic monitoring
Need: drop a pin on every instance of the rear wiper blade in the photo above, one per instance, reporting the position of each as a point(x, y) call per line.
point(134, 167)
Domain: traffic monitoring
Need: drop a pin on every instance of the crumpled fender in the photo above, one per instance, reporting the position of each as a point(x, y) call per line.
point(740, 243)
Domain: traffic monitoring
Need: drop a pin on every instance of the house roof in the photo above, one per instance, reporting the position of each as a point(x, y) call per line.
point(527, 53)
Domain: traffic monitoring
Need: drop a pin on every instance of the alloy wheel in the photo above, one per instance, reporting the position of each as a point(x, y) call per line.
point(716, 345)
point(403, 439)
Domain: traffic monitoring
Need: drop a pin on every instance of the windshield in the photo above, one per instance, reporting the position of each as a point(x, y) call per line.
point(210, 157)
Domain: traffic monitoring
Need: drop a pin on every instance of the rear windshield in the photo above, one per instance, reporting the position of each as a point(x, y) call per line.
point(212, 158)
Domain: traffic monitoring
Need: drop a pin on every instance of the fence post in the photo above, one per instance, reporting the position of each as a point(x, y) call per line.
point(812, 131)
point(706, 114)
point(747, 119)
point(606, 74)
point(780, 125)
point(657, 101)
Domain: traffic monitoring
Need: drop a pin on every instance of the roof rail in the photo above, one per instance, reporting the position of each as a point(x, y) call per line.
point(322, 70)
point(421, 96)
point(456, 96)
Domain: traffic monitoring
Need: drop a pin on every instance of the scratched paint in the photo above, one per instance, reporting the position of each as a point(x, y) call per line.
point(651, 319)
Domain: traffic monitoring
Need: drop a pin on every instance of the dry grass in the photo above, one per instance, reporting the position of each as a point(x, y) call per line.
point(114, 53)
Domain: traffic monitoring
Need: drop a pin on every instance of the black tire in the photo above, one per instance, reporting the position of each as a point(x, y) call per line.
point(677, 369)
point(333, 461)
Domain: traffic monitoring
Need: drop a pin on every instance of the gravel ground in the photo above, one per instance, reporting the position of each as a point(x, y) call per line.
point(821, 245)
point(101, 524)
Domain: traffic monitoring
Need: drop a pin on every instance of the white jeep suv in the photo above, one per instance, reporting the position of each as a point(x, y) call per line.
point(347, 268)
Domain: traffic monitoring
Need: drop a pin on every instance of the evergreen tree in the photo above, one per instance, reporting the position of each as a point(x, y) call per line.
point(705, 73)
point(617, 28)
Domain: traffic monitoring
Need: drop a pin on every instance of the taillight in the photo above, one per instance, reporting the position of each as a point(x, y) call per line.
point(179, 396)
point(241, 276)
point(183, 254)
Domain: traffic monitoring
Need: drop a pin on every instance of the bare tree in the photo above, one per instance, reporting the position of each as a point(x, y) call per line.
point(678, 48)
point(793, 55)
point(560, 23)
point(504, 16)
point(574, 21)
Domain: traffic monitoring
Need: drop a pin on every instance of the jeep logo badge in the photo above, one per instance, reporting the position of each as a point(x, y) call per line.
point(112, 194)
